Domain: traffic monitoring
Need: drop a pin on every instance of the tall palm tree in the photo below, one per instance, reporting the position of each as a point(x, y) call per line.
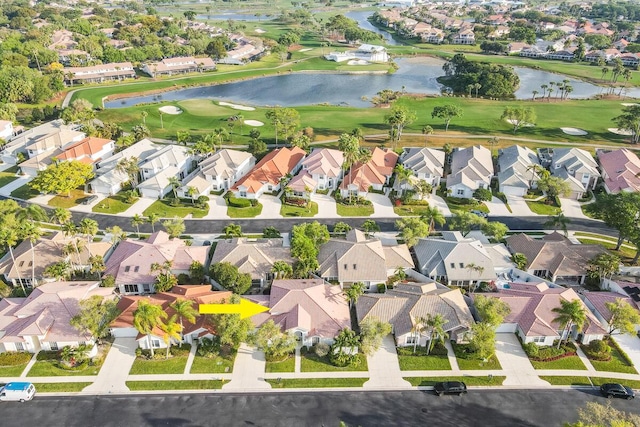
point(32, 213)
point(69, 229)
point(117, 234)
point(146, 317)
point(137, 220)
point(129, 166)
point(436, 326)
point(9, 238)
point(570, 314)
point(350, 147)
point(426, 131)
point(89, 228)
point(433, 216)
point(152, 218)
point(60, 216)
point(472, 267)
point(171, 330)
point(403, 174)
point(31, 232)
point(184, 310)
point(174, 182)
point(534, 168)
point(417, 329)
point(559, 221)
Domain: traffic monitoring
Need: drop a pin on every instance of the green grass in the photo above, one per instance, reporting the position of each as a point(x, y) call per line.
point(571, 362)
point(8, 175)
point(287, 365)
point(420, 361)
point(458, 204)
point(63, 201)
point(616, 364)
point(288, 210)
point(410, 210)
point(173, 365)
point(48, 368)
point(175, 385)
point(345, 210)
point(317, 382)
point(584, 381)
point(164, 210)
point(468, 361)
point(60, 387)
point(112, 205)
point(215, 365)
point(249, 212)
point(312, 363)
point(12, 371)
point(625, 253)
point(25, 192)
point(541, 208)
point(470, 381)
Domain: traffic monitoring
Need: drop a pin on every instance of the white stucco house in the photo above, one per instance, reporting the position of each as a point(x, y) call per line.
point(218, 172)
point(471, 169)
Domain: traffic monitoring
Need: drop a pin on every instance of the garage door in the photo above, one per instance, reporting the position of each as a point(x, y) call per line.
point(513, 191)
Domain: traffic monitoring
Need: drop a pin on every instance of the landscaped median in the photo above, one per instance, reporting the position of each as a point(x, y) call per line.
point(489, 380)
point(317, 382)
point(175, 385)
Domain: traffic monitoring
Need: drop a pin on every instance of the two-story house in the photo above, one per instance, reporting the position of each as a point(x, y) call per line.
point(620, 170)
point(178, 65)
point(373, 174)
point(427, 165)
point(157, 169)
point(577, 167)
point(471, 169)
point(518, 170)
point(218, 172)
point(321, 170)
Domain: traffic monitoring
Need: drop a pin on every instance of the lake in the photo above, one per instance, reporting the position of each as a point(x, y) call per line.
point(361, 17)
point(416, 75)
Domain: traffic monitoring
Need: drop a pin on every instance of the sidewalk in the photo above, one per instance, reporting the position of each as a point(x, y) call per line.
point(384, 369)
point(115, 370)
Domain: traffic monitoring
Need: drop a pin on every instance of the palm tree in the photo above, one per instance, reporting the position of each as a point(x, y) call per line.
point(559, 221)
point(433, 216)
point(69, 229)
point(130, 167)
point(535, 92)
point(570, 314)
point(175, 184)
point(281, 270)
point(493, 142)
point(60, 216)
point(354, 292)
point(477, 87)
point(534, 168)
point(472, 267)
point(192, 192)
point(146, 317)
point(416, 330)
point(426, 131)
point(184, 310)
point(137, 220)
point(171, 330)
point(9, 238)
point(31, 232)
point(152, 218)
point(89, 228)
point(32, 213)
point(117, 234)
point(350, 147)
point(403, 175)
point(144, 115)
point(436, 326)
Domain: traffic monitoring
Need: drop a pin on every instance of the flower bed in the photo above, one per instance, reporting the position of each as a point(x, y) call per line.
point(295, 201)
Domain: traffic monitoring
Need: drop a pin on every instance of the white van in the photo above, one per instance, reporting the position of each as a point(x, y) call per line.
point(17, 391)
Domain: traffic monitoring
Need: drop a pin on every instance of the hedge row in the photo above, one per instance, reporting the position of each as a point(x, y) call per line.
point(14, 358)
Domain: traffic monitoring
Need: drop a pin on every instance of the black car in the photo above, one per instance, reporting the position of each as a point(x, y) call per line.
point(611, 390)
point(450, 387)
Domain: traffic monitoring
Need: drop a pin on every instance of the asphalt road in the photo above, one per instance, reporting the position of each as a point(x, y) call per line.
point(495, 408)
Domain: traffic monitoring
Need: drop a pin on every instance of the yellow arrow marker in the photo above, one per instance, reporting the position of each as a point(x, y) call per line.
point(245, 309)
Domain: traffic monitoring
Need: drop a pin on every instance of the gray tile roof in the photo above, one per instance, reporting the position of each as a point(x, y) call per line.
point(253, 256)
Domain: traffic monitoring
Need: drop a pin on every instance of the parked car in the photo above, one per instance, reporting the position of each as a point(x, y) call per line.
point(206, 243)
point(17, 391)
point(479, 213)
point(610, 390)
point(450, 387)
point(90, 199)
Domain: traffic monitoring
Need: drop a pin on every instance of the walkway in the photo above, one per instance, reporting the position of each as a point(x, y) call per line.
point(439, 203)
point(13, 185)
point(451, 355)
point(115, 370)
point(384, 369)
point(571, 208)
point(248, 370)
point(585, 360)
point(515, 363)
point(326, 206)
point(192, 355)
point(382, 207)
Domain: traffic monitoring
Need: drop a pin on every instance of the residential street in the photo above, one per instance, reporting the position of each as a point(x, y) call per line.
point(508, 408)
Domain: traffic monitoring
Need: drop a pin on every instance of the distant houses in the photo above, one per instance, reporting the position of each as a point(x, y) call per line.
point(178, 65)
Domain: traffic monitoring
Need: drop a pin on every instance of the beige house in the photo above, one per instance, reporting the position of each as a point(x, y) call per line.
point(577, 167)
point(178, 65)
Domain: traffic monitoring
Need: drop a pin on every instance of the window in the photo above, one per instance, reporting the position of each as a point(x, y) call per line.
point(270, 187)
point(21, 264)
point(410, 339)
point(315, 340)
point(131, 289)
point(136, 268)
point(355, 266)
point(146, 288)
point(155, 343)
point(19, 346)
point(30, 263)
point(460, 192)
point(345, 266)
point(53, 346)
point(461, 265)
point(538, 339)
point(243, 194)
point(127, 268)
point(453, 265)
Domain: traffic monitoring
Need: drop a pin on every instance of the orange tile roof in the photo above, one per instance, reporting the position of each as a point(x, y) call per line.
point(271, 168)
point(84, 149)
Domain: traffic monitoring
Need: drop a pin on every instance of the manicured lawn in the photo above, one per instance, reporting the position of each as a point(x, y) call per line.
point(625, 253)
point(12, 371)
point(420, 361)
point(8, 175)
point(164, 210)
point(12, 364)
point(312, 363)
point(175, 385)
point(410, 210)
point(571, 362)
point(345, 210)
point(63, 201)
point(248, 212)
point(616, 364)
point(25, 192)
point(215, 365)
point(584, 381)
point(287, 365)
point(60, 387)
point(49, 368)
point(458, 204)
point(173, 365)
point(112, 205)
point(288, 210)
point(468, 361)
point(317, 382)
point(470, 381)
point(598, 381)
point(541, 208)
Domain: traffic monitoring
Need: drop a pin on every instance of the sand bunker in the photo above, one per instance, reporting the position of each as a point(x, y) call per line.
point(524, 125)
point(170, 109)
point(358, 62)
point(627, 104)
point(253, 123)
point(236, 106)
point(305, 50)
point(259, 31)
point(618, 131)
point(574, 131)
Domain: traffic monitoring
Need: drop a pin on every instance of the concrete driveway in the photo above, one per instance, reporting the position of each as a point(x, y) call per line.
point(217, 208)
point(270, 207)
point(382, 207)
point(88, 208)
point(326, 206)
point(384, 369)
point(571, 208)
point(519, 207)
point(439, 202)
point(515, 363)
point(631, 345)
point(138, 207)
point(14, 185)
point(497, 207)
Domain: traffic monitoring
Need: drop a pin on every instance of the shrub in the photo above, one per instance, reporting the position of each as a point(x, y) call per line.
point(184, 279)
point(138, 352)
point(209, 347)
point(108, 281)
point(295, 201)
point(439, 350)
point(599, 349)
point(14, 358)
point(238, 203)
point(253, 202)
point(381, 288)
point(483, 194)
point(532, 349)
point(321, 349)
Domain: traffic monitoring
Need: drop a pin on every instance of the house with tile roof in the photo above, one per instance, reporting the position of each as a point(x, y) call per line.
point(577, 167)
point(321, 170)
point(597, 303)
point(157, 169)
point(516, 170)
point(311, 309)
point(41, 321)
point(374, 174)
point(178, 65)
point(131, 261)
point(454, 259)
point(620, 170)
point(267, 174)
point(554, 256)
point(253, 256)
point(99, 73)
point(109, 180)
point(407, 303)
point(218, 172)
point(358, 258)
point(471, 169)
point(6, 129)
point(464, 36)
point(427, 164)
point(47, 250)
point(532, 316)
point(123, 326)
point(18, 143)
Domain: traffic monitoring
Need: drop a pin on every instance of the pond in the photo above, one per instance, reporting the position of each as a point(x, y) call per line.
point(362, 18)
point(416, 75)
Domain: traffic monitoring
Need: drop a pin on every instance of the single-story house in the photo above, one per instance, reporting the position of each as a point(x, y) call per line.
point(597, 303)
point(620, 170)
